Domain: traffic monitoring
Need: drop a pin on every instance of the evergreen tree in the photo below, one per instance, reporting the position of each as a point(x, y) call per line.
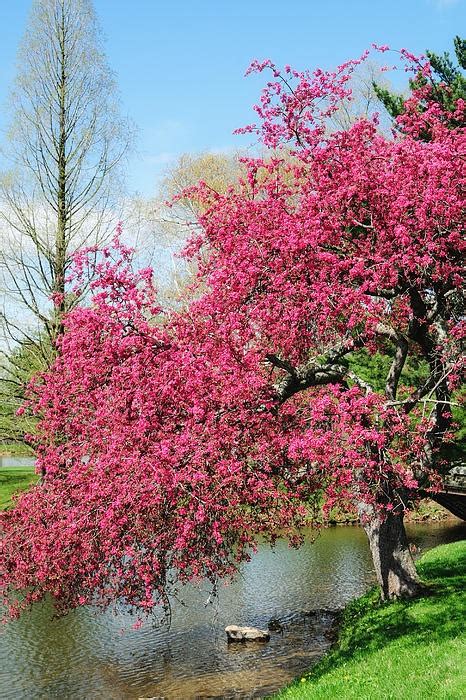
point(447, 81)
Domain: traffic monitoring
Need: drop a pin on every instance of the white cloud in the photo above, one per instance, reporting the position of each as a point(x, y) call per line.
point(445, 4)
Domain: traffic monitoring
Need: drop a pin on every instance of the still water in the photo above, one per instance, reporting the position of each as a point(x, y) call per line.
point(89, 656)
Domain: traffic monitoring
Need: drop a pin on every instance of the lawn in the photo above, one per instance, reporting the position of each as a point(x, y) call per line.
point(13, 480)
point(402, 650)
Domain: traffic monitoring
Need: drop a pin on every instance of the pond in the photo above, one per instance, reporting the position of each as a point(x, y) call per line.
point(90, 655)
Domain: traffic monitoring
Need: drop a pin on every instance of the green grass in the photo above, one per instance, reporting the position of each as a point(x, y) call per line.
point(403, 650)
point(13, 480)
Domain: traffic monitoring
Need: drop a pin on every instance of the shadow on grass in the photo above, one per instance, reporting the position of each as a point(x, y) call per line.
point(448, 571)
point(368, 625)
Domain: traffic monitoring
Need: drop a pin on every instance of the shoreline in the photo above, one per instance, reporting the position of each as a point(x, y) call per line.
point(427, 511)
point(400, 650)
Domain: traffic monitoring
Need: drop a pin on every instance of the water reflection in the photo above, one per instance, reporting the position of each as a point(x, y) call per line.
point(88, 655)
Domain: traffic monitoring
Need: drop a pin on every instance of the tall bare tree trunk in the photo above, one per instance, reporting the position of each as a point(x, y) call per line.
point(66, 150)
point(62, 208)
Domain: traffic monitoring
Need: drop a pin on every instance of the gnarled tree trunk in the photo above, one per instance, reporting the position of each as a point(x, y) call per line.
point(393, 562)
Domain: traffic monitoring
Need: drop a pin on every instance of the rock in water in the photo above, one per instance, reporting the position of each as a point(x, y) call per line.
point(246, 634)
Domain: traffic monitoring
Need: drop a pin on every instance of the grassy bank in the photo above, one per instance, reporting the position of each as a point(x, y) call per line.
point(13, 480)
point(400, 651)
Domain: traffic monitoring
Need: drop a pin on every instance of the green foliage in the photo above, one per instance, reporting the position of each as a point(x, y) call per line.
point(412, 649)
point(393, 103)
point(373, 369)
point(27, 360)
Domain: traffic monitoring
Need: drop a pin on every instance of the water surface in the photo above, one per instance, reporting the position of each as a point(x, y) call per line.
point(89, 655)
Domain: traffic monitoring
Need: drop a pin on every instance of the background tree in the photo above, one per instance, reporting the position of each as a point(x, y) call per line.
point(24, 362)
point(219, 171)
point(65, 144)
point(65, 148)
point(171, 217)
point(366, 83)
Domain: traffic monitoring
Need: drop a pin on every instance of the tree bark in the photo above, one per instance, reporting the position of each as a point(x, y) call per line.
point(393, 562)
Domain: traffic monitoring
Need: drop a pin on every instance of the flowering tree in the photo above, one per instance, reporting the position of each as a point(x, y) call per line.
point(170, 441)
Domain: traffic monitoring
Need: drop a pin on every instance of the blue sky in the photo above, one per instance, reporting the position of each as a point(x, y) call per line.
point(180, 64)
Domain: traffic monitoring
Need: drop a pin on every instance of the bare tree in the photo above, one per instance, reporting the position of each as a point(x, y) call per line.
point(66, 146)
point(65, 150)
point(166, 222)
point(364, 100)
point(159, 231)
